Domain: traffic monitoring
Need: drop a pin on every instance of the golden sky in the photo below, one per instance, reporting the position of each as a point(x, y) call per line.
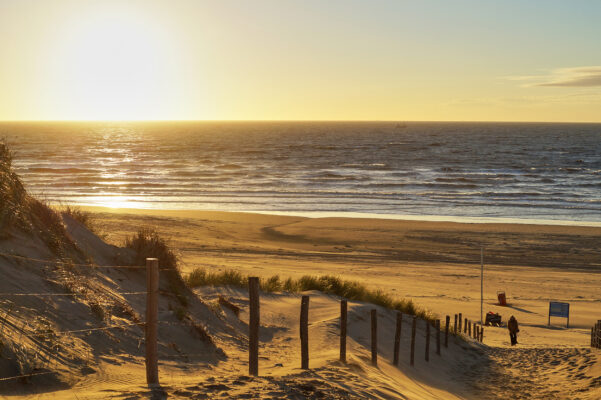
point(300, 60)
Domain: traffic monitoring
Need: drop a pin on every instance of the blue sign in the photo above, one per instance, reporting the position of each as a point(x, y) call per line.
point(557, 309)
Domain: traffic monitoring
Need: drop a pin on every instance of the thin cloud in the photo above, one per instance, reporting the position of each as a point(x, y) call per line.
point(573, 77)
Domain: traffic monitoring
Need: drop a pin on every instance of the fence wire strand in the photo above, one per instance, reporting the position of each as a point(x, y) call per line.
point(67, 294)
point(28, 375)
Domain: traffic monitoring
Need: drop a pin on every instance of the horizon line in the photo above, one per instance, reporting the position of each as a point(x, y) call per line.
point(288, 120)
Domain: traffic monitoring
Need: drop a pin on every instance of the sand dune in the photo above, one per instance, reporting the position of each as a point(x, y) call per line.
point(435, 264)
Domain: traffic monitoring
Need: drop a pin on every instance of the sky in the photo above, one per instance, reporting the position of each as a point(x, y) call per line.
point(300, 60)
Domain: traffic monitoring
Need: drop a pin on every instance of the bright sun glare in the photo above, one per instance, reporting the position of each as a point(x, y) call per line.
point(113, 67)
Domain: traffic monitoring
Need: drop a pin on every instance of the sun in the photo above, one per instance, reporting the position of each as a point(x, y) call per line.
point(113, 66)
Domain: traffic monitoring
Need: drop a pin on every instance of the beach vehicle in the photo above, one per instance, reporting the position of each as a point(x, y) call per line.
point(493, 319)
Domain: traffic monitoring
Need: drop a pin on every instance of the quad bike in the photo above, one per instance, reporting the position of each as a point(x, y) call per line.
point(493, 319)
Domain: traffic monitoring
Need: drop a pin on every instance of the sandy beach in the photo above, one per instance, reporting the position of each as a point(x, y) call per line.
point(436, 264)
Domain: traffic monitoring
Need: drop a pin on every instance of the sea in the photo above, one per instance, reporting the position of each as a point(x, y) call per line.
point(477, 172)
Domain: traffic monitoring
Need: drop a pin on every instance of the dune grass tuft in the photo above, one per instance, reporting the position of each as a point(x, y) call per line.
point(85, 218)
point(147, 243)
point(19, 210)
point(328, 284)
point(13, 196)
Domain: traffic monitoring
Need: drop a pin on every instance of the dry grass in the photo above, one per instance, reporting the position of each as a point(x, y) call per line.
point(327, 284)
point(85, 218)
point(12, 193)
point(19, 210)
point(147, 243)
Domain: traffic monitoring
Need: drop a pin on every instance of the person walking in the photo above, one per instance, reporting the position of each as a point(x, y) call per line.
point(512, 325)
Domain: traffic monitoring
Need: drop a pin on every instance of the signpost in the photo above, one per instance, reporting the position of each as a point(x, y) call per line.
point(481, 284)
point(557, 309)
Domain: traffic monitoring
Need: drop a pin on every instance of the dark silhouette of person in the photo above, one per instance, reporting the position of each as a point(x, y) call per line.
point(512, 325)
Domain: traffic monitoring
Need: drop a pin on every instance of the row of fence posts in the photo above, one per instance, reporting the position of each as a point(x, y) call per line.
point(596, 335)
point(471, 329)
point(151, 329)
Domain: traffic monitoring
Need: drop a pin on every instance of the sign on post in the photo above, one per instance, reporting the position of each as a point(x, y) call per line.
point(557, 309)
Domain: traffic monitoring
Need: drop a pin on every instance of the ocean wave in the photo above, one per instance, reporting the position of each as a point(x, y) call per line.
point(485, 168)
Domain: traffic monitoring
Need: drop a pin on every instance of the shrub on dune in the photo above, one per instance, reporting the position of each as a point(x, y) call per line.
point(147, 243)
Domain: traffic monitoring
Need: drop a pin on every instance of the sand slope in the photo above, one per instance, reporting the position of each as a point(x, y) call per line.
point(435, 264)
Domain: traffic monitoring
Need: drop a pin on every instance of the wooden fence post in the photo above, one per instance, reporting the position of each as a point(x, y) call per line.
point(343, 311)
point(438, 336)
point(374, 337)
point(413, 326)
point(152, 313)
point(304, 332)
point(460, 319)
point(455, 325)
point(465, 326)
point(469, 328)
point(397, 337)
point(482, 335)
point(446, 332)
point(253, 326)
point(427, 341)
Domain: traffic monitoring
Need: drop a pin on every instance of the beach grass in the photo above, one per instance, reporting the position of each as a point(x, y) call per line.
point(328, 284)
point(147, 243)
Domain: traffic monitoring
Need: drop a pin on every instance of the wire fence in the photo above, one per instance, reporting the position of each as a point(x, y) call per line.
point(72, 264)
point(151, 326)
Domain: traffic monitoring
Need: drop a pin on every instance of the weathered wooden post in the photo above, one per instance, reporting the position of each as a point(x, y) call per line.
point(374, 337)
point(413, 326)
point(455, 325)
point(438, 336)
point(152, 313)
point(427, 341)
point(469, 328)
point(397, 337)
point(460, 319)
point(482, 335)
point(465, 327)
point(446, 331)
point(343, 310)
point(304, 332)
point(253, 326)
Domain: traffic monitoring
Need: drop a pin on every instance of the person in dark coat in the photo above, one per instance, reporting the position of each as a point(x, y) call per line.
point(512, 325)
